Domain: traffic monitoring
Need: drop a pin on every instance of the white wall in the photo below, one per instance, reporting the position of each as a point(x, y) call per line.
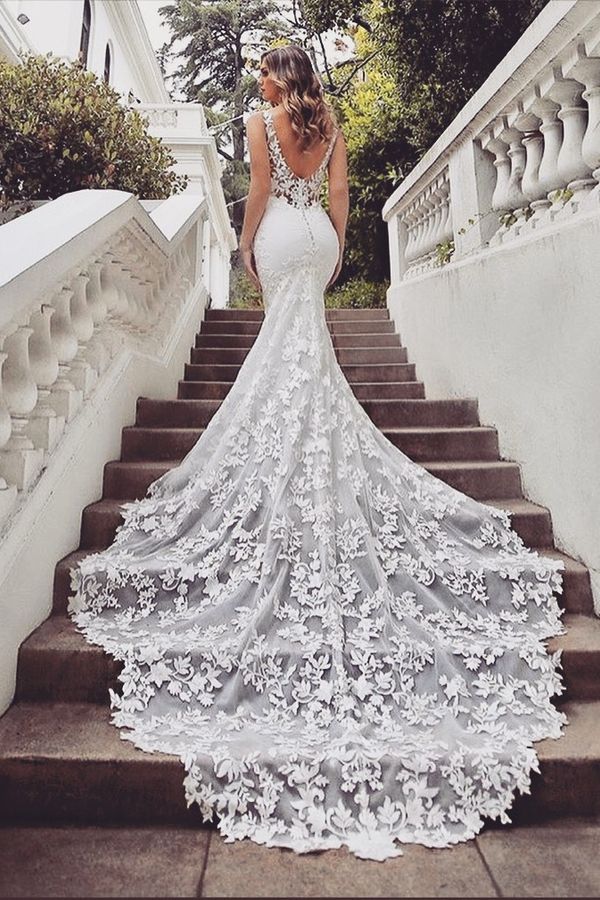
point(518, 327)
point(55, 26)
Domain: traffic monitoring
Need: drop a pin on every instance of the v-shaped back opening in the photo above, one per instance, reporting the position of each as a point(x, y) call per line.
point(269, 113)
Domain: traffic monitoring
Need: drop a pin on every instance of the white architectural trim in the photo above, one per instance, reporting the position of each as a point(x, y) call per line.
point(13, 37)
point(127, 21)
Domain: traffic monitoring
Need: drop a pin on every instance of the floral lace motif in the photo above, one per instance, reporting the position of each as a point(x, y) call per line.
point(297, 191)
point(341, 648)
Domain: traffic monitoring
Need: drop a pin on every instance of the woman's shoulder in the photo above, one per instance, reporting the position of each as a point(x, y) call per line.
point(256, 120)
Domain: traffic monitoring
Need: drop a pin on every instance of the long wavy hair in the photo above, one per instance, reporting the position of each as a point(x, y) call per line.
point(290, 68)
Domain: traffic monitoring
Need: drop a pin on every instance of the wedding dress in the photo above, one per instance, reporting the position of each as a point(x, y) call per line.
point(341, 648)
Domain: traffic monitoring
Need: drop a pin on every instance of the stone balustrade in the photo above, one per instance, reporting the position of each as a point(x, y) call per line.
point(99, 273)
point(523, 154)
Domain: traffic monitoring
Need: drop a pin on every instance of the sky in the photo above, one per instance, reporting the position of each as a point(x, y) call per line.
point(157, 31)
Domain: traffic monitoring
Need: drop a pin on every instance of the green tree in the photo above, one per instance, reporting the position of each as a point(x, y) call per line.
point(63, 129)
point(424, 60)
point(376, 136)
point(216, 40)
point(439, 52)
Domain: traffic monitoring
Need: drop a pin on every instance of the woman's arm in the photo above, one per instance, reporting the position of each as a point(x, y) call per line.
point(260, 186)
point(339, 202)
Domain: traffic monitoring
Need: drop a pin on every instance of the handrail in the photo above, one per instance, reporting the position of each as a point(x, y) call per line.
point(79, 277)
point(524, 150)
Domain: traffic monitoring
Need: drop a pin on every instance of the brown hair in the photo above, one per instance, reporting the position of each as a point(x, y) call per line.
point(290, 68)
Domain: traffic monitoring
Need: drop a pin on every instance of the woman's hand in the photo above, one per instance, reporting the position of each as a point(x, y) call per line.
point(247, 255)
point(337, 270)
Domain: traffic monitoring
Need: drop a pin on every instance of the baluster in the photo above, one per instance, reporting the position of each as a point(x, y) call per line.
point(98, 354)
point(20, 461)
point(410, 221)
point(65, 398)
point(82, 374)
point(587, 70)
point(514, 197)
point(45, 426)
point(8, 492)
point(548, 177)
point(574, 171)
point(502, 164)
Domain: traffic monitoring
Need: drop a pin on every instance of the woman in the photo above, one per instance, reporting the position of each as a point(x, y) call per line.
point(341, 648)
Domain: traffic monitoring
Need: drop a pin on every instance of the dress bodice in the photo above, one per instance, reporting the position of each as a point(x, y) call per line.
point(297, 191)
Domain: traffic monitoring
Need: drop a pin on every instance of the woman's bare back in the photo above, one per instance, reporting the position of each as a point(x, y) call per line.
point(302, 162)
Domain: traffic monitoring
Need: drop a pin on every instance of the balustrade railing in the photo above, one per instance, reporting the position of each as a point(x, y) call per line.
point(523, 154)
point(69, 304)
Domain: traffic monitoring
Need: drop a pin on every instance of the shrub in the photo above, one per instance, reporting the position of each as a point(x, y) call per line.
point(354, 294)
point(62, 129)
point(357, 294)
point(242, 293)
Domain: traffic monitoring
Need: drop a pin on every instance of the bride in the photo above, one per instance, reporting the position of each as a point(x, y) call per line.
point(340, 648)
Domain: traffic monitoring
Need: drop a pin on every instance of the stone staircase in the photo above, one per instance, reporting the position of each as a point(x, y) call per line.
point(60, 758)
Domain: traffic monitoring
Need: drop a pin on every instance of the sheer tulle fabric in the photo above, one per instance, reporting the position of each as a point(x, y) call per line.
point(341, 648)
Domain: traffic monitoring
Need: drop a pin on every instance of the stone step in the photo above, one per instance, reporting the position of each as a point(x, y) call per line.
point(355, 374)
point(480, 479)
point(532, 522)
point(576, 597)
point(384, 413)
point(391, 390)
point(407, 390)
point(90, 774)
point(131, 480)
point(65, 762)
point(99, 521)
point(445, 443)
point(245, 341)
point(345, 355)
point(56, 663)
point(379, 327)
point(233, 314)
point(478, 442)
point(379, 374)
point(487, 479)
point(439, 413)
point(355, 314)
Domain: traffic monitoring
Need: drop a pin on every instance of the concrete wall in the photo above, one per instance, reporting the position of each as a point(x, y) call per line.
point(518, 327)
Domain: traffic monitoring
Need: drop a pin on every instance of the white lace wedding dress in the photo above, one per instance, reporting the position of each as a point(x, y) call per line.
point(341, 648)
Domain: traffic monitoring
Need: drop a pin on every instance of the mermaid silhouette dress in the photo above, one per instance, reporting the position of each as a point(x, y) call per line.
point(340, 648)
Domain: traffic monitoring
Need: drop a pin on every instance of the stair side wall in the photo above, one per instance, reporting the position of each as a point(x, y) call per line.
point(48, 525)
point(518, 327)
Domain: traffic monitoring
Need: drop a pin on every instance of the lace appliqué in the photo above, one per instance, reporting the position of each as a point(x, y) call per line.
point(297, 191)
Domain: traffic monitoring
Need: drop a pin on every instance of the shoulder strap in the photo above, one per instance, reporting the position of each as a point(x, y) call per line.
point(267, 115)
point(334, 136)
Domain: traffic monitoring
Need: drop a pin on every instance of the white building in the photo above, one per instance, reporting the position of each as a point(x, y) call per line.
point(109, 36)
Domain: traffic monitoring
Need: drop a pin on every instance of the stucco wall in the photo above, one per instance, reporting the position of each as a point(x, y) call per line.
point(519, 328)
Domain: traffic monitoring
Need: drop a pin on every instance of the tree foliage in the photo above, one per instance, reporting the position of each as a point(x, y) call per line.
point(440, 52)
point(430, 57)
point(62, 129)
point(214, 41)
point(376, 136)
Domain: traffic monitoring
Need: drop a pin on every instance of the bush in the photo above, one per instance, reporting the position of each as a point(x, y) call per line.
point(357, 294)
point(242, 293)
point(62, 129)
point(354, 294)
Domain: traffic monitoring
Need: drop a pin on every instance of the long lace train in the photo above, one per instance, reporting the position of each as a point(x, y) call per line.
point(341, 648)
